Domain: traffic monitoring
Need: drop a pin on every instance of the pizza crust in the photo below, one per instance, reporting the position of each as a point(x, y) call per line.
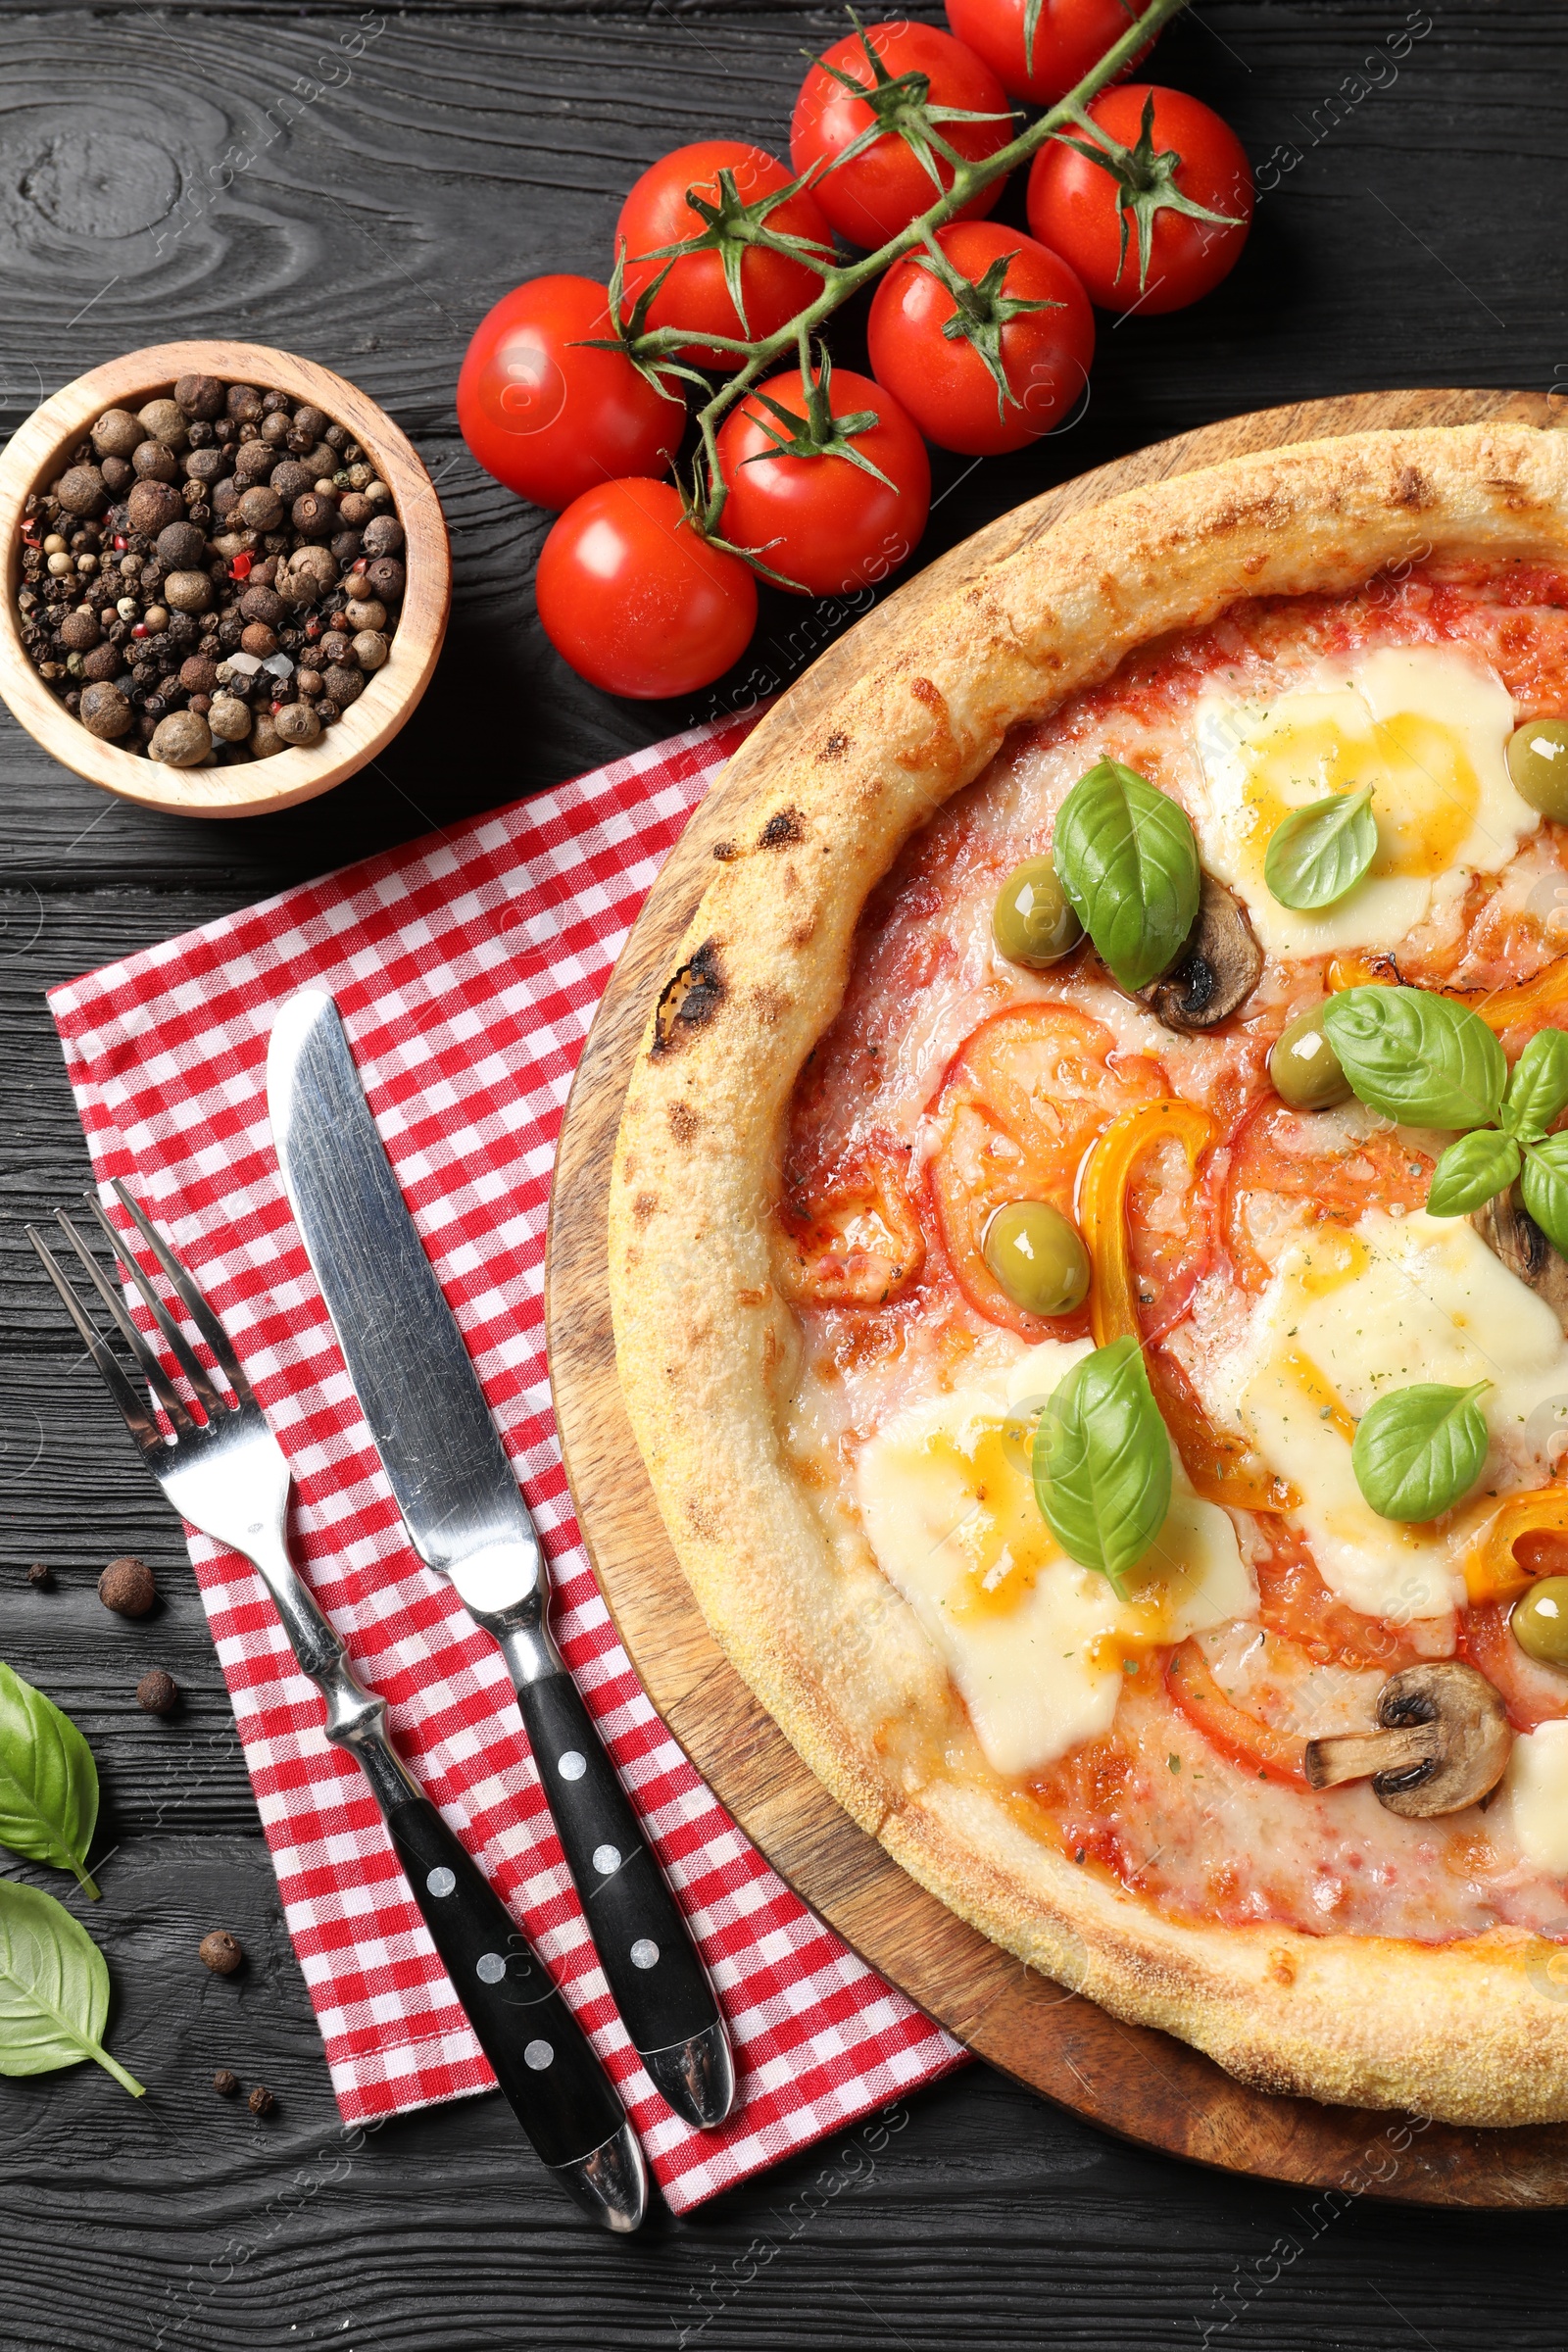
point(706, 1347)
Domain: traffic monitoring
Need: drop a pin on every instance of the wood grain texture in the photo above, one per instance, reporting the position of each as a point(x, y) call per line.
point(1128, 2078)
point(376, 223)
point(37, 454)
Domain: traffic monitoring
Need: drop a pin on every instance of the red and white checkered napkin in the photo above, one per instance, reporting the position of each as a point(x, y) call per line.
point(468, 968)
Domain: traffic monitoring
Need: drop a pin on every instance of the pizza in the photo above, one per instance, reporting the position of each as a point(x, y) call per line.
point(1087, 1242)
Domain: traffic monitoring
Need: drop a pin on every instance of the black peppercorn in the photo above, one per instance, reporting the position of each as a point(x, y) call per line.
point(220, 1952)
point(272, 403)
point(243, 403)
point(156, 1692)
point(225, 2083)
point(261, 2100)
point(41, 1576)
point(127, 1586)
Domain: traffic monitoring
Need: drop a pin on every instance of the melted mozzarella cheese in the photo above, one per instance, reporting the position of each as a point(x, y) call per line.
point(1034, 1642)
point(1535, 1786)
point(1425, 726)
point(1353, 1314)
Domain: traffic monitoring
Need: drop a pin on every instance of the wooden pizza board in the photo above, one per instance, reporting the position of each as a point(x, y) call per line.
point(1130, 2079)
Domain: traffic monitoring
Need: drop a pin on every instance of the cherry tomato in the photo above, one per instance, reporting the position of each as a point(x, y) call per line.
point(635, 600)
point(824, 523)
point(1070, 36)
point(1260, 1749)
point(1279, 1175)
point(550, 418)
point(880, 191)
point(944, 382)
point(1075, 207)
point(695, 295)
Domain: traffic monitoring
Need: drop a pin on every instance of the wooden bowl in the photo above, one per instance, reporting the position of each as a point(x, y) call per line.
point(36, 454)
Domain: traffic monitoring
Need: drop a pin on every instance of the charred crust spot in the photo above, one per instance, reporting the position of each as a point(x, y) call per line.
point(802, 934)
point(692, 996)
point(1411, 489)
point(643, 1207)
point(835, 747)
point(931, 696)
point(784, 826)
point(683, 1122)
point(724, 850)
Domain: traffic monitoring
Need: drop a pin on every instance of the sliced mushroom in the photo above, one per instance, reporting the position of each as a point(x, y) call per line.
point(1216, 970)
point(1442, 1743)
point(1511, 1233)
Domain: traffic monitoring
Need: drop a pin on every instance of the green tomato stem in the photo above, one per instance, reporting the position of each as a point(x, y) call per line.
point(840, 282)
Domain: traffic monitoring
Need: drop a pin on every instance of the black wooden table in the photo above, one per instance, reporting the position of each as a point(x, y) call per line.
point(407, 169)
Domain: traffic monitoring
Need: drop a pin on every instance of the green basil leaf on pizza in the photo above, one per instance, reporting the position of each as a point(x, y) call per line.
point(1420, 1449)
point(1320, 852)
point(1102, 1462)
point(1127, 857)
point(1417, 1058)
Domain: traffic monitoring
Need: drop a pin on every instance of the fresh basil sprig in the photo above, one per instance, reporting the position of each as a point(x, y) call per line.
point(1418, 1450)
point(1537, 1091)
point(1322, 851)
point(1546, 1189)
point(1424, 1061)
point(1416, 1056)
point(1127, 858)
point(48, 1780)
point(54, 1988)
point(1102, 1462)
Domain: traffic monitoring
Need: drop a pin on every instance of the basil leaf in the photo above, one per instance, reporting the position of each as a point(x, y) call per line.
point(1102, 1462)
point(1127, 858)
point(1417, 1058)
point(54, 1988)
point(48, 1780)
point(1418, 1450)
point(1322, 851)
point(1537, 1091)
point(1472, 1170)
point(1546, 1189)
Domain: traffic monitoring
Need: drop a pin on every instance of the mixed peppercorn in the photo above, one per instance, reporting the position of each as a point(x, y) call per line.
point(214, 579)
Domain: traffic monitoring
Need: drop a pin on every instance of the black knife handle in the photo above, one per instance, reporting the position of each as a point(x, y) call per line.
point(660, 1983)
point(543, 2061)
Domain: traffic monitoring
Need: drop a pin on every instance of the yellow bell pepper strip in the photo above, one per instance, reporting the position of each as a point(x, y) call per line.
point(1221, 1468)
point(1492, 1570)
point(1503, 1009)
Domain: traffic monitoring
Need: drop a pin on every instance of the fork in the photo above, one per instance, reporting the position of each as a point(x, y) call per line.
point(226, 1475)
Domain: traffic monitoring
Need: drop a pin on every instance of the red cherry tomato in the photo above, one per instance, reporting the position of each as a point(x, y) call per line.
point(635, 600)
point(1074, 205)
point(824, 522)
point(944, 382)
point(695, 295)
point(546, 415)
point(1070, 36)
point(880, 191)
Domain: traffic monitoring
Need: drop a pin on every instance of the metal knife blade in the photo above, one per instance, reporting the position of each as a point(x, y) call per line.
point(468, 1519)
point(412, 1373)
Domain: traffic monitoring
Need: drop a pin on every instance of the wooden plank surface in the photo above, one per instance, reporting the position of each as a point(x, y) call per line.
point(1416, 240)
point(1142, 2084)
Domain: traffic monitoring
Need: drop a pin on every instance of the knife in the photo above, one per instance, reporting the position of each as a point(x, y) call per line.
point(466, 1519)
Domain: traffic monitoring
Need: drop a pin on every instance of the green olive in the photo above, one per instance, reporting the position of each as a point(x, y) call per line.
point(1032, 922)
point(1305, 1067)
point(1538, 761)
point(1539, 1620)
point(1038, 1257)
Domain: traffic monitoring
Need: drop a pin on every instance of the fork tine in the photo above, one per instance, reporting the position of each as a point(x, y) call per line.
point(195, 1371)
point(152, 1370)
point(138, 1420)
point(188, 1290)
